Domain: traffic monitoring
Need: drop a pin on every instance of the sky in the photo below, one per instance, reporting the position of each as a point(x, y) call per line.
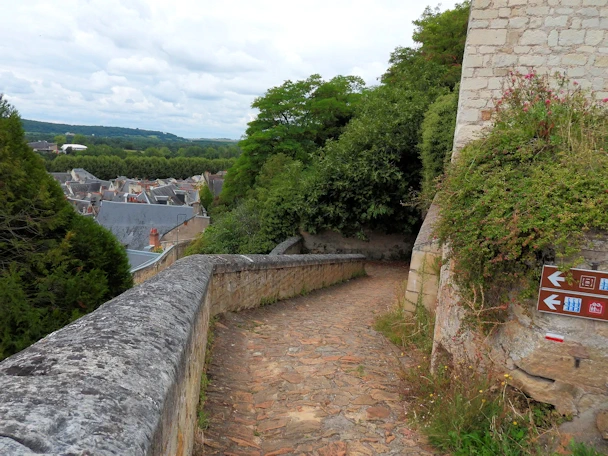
point(186, 67)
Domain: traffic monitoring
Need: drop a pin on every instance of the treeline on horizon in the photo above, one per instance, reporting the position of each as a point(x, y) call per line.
point(336, 155)
point(110, 167)
point(52, 129)
point(107, 160)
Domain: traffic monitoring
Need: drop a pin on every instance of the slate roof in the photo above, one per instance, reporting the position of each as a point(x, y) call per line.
point(139, 258)
point(131, 222)
point(62, 177)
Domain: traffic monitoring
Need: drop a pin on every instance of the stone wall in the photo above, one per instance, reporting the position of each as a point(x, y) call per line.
point(169, 256)
point(569, 36)
point(187, 231)
point(290, 246)
point(377, 246)
point(125, 379)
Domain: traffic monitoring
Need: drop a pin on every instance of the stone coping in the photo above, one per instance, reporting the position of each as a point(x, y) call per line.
point(107, 383)
point(281, 248)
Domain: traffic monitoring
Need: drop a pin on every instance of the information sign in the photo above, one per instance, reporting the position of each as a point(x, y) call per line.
point(577, 293)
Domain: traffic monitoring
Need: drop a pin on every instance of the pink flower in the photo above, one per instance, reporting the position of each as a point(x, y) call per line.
point(547, 102)
point(526, 109)
point(605, 100)
point(575, 83)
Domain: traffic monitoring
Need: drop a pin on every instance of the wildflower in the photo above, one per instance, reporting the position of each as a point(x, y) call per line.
point(547, 102)
point(515, 423)
point(605, 100)
point(431, 395)
point(507, 375)
point(481, 391)
point(575, 83)
point(483, 400)
point(502, 383)
point(526, 109)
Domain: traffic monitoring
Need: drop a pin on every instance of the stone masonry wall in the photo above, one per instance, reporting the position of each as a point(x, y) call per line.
point(567, 36)
point(125, 379)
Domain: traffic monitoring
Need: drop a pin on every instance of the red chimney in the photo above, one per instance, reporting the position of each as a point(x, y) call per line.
point(154, 238)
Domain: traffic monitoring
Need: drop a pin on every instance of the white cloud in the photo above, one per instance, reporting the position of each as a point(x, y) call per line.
point(188, 67)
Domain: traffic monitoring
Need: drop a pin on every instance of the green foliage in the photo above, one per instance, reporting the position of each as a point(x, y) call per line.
point(34, 126)
point(257, 224)
point(442, 36)
point(294, 120)
point(110, 167)
point(205, 196)
point(582, 449)
point(405, 328)
point(55, 265)
point(527, 193)
point(437, 141)
point(361, 179)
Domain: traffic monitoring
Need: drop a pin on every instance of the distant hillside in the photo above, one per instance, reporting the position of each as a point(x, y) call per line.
point(47, 128)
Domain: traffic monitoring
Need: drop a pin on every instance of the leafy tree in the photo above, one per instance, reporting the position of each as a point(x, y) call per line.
point(442, 36)
point(294, 119)
point(206, 197)
point(55, 265)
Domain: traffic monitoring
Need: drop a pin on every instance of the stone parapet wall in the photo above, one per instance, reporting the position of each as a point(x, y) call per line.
point(377, 246)
point(169, 256)
point(548, 36)
point(290, 246)
point(125, 379)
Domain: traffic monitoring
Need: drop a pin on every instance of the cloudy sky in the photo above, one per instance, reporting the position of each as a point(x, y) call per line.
point(184, 66)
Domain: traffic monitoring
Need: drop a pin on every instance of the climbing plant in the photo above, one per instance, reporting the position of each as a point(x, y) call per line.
point(530, 191)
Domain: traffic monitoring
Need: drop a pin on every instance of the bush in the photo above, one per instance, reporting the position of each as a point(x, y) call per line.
point(527, 193)
point(55, 265)
point(437, 141)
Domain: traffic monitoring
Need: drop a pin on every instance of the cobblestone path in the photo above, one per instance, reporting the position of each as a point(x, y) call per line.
point(310, 376)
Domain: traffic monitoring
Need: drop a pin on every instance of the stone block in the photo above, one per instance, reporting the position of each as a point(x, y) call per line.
point(504, 12)
point(574, 59)
point(571, 2)
point(504, 60)
point(595, 2)
point(590, 12)
point(518, 22)
point(484, 14)
point(538, 11)
point(590, 23)
point(517, 2)
point(534, 37)
point(487, 37)
point(571, 37)
point(498, 23)
point(532, 60)
point(601, 61)
point(556, 21)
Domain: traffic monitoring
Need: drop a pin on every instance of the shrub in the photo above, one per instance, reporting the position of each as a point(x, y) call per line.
point(527, 193)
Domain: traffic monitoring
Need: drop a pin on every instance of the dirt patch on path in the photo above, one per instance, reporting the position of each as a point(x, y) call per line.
point(309, 375)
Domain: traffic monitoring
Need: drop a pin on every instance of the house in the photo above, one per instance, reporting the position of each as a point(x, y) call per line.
point(43, 146)
point(131, 223)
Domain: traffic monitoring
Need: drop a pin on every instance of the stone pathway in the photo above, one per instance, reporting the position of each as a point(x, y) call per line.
point(309, 376)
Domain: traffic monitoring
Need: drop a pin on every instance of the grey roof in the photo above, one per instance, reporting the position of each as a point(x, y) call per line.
point(82, 175)
point(89, 187)
point(62, 177)
point(131, 222)
point(139, 258)
point(42, 145)
point(168, 191)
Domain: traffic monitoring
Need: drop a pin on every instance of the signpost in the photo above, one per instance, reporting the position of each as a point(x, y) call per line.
point(577, 293)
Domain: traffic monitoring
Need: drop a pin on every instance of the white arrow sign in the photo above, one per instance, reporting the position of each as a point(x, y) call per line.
point(556, 278)
point(552, 302)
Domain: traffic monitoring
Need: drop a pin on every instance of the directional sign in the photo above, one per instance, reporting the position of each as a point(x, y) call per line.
point(577, 293)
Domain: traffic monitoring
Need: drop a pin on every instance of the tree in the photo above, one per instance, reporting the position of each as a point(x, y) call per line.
point(55, 265)
point(442, 36)
point(295, 119)
point(206, 197)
